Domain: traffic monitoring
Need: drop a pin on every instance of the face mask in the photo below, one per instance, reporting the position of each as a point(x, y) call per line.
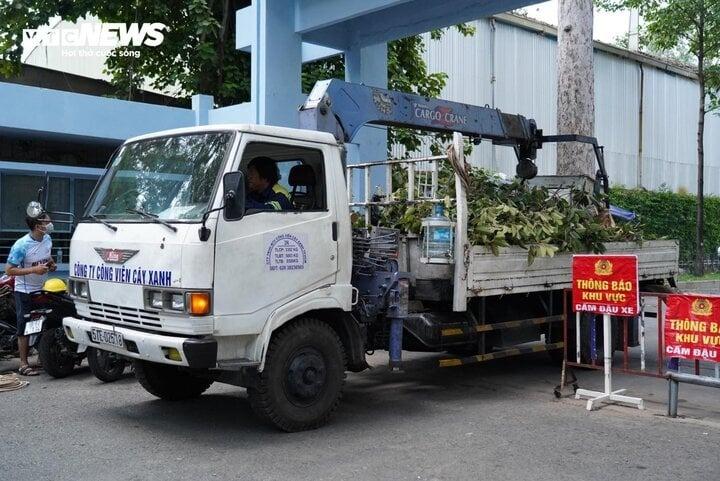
point(49, 227)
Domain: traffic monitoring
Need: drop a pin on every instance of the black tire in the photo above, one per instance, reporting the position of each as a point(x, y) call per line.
point(7, 309)
point(169, 383)
point(303, 379)
point(56, 353)
point(106, 366)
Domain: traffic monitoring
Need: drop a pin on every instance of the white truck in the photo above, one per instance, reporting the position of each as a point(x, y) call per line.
point(168, 268)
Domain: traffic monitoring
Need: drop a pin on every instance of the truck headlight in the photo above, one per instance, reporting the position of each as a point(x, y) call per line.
point(78, 289)
point(197, 303)
point(155, 299)
point(177, 302)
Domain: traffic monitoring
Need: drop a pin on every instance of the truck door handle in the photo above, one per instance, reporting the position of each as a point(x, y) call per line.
point(335, 231)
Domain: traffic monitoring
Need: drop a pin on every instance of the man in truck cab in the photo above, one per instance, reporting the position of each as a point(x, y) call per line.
point(264, 191)
point(29, 261)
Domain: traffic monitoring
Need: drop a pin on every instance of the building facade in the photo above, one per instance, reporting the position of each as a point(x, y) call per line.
point(646, 109)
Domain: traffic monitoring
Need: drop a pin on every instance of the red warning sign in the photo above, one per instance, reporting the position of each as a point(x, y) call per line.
point(606, 284)
point(692, 327)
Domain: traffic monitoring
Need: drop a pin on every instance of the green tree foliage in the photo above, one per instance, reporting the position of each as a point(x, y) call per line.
point(198, 54)
point(686, 30)
point(692, 26)
point(664, 214)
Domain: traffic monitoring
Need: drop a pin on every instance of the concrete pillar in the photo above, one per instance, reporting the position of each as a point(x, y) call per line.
point(266, 29)
point(202, 105)
point(368, 66)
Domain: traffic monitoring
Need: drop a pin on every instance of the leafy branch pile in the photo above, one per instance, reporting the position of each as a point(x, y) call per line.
point(502, 214)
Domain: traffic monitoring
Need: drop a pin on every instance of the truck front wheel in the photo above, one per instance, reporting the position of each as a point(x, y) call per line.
point(303, 378)
point(169, 382)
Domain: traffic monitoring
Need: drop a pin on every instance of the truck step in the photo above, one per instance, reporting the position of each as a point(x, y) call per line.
point(235, 364)
point(515, 351)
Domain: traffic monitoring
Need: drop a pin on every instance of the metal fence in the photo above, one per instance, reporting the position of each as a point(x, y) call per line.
point(648, 358)
point(421, 186)
point(712, 264)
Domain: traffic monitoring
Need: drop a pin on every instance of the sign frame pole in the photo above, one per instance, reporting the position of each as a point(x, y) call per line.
point(608, 395)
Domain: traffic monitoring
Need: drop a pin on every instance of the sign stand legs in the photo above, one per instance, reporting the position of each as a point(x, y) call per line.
point(608, 395)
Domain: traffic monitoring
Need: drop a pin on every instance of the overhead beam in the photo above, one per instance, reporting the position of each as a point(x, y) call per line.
point(312, 53)
point(67, 114)
point(405, 19)
point(314, 14)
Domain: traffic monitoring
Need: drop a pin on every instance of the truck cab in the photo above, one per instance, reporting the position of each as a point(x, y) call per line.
point(164, 271)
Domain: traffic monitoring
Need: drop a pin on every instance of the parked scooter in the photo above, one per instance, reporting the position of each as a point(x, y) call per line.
point(59, 355)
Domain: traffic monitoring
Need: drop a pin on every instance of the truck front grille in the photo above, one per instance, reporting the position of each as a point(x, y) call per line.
point(123, 315)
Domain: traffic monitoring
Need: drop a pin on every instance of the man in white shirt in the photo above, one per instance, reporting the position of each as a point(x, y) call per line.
point(29, 261)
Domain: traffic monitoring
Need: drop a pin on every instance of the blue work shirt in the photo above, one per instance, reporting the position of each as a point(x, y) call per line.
point(272, 198)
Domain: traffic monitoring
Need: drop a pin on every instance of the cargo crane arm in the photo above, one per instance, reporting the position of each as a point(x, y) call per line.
point(342, 108)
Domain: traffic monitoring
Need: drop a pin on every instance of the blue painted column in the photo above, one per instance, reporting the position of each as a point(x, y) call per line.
point(368, 66)
point(202, 105)
point(267, 30)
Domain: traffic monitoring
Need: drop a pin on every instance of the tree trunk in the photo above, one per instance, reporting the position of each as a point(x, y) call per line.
point(576, 89)
point(700, 212)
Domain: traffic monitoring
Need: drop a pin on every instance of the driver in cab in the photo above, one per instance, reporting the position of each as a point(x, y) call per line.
point(264, 192)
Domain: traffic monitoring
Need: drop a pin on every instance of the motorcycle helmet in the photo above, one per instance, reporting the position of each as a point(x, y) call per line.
point(54, 285)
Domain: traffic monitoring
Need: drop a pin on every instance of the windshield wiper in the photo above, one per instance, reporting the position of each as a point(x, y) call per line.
point(152, 217)
point(105, 223)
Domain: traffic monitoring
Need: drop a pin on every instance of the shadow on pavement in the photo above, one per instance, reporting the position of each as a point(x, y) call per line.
point(371, 399)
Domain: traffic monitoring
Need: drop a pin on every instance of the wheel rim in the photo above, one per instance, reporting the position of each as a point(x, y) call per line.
point(109, 361)
point(306, 376)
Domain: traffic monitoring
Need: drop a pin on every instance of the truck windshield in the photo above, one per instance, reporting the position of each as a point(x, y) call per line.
point(167, 177)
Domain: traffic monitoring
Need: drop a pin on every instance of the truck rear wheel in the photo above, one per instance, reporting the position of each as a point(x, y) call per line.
point(303, 378)
point(169, 382)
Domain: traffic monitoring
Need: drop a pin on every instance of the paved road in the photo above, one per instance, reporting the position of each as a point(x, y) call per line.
point(496, 421)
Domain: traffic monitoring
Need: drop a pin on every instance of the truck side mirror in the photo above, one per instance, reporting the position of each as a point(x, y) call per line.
point(234, 195)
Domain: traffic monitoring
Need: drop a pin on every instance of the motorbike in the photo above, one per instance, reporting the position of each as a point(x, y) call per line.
point(59, 355)
point(8, 329)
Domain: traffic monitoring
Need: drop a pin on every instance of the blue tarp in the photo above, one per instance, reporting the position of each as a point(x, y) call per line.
point(622, 214)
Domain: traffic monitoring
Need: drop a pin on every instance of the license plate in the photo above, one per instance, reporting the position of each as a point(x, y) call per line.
point(104, 336)
point(33, 327)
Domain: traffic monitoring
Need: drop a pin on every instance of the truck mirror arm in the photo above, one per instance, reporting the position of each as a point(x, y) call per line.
point(203, 231)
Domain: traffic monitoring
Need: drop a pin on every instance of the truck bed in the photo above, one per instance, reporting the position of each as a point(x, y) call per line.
point(509, 272)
